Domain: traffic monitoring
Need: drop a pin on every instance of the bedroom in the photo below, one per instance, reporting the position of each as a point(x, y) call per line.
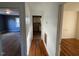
point(10, 32)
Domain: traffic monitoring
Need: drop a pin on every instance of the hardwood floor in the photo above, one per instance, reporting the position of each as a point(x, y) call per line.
point(37, 47)
point(69, 47)
point(11, 44)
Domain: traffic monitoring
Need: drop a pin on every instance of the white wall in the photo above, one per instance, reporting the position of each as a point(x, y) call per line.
point(69, 24)
point(49, 13)
point(29, 30)
point(72, 12)
point(74, 6)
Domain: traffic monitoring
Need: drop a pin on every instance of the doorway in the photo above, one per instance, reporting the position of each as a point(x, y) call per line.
point(68, 31)
point(36, 27)
point(10, 32)
point(21, 8)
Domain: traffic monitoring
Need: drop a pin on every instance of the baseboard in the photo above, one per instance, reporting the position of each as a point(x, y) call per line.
point(71, 38)
point(68, 38)
point(45, 47)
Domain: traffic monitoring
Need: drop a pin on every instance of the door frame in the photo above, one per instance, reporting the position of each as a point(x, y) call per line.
point(59, 29)
point(21, 7)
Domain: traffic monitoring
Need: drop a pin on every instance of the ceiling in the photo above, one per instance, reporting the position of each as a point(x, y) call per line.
point(9, 11)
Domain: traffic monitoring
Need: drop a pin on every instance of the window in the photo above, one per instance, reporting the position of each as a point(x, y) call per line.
point(17, 22)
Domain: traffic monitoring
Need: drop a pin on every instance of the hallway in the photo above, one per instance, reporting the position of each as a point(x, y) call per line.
point(37, 47)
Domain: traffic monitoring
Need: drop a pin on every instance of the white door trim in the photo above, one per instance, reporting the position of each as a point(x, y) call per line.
point(59, 29)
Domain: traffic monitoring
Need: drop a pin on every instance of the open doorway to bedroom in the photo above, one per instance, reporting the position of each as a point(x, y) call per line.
point(10, 32)
point(69, 30)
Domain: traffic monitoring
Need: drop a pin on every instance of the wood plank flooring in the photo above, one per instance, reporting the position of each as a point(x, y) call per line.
point(69, 47)
point(37, 48)
point(11, 44)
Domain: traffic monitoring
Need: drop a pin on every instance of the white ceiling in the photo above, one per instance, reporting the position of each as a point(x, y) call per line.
point(9, 11)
